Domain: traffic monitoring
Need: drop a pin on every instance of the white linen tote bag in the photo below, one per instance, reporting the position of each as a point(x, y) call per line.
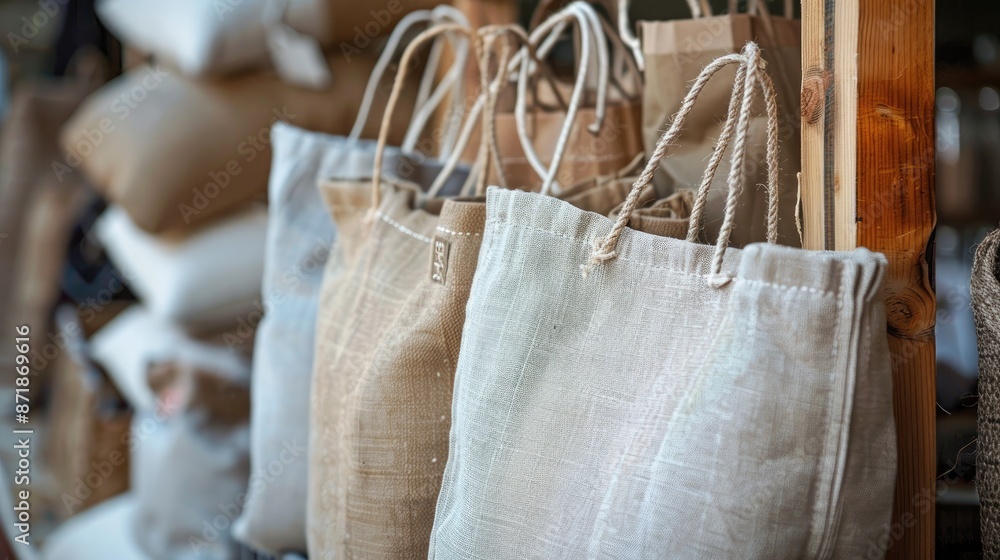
point(677, 400)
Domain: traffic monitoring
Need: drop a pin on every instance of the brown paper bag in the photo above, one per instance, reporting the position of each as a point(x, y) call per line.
point(593, 147)
point(674, 54)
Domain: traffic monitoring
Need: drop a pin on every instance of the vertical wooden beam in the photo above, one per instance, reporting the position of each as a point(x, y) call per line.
point(896, 216)
point(868, 180)
point(829, 123)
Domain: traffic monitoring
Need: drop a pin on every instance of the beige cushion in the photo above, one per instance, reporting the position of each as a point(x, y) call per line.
point(173, 151)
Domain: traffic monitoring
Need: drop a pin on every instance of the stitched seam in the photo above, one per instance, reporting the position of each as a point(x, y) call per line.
point(678, 271)
point(445, 230)
point(403, 228)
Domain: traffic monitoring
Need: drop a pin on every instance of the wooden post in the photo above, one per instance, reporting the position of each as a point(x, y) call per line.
point(868, 180)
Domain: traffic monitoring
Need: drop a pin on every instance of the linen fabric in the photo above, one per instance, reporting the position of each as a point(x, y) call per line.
point(592, 416)
point(675, 53)
point(205, 280)
point(986, 309)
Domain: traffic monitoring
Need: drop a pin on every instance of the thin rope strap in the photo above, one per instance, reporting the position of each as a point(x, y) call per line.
point(605, 249)
point(763, 80)
point(463, 140)
point(771, 104)
point(427, 101)
point(491, 86)
point(470, 123)
point(397, 89)
point(628, 36)
point(571, 13)
point(752, 55)
point(701, 197)
point(391, 46)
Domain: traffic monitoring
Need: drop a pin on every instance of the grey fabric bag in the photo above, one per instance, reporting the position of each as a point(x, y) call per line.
point(656, 406)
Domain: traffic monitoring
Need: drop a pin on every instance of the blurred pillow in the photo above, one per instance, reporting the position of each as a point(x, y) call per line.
point(206, 280)
point(100, 533)
point(191, 459)
point(222, 36)
point(174, 151)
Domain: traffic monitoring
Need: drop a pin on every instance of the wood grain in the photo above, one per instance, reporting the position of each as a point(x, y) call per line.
point(815, 82)
point(896, 216)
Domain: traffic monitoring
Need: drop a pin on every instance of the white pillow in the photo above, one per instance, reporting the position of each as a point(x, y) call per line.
point(207, 280)
point(200, 36)
point(127, 345)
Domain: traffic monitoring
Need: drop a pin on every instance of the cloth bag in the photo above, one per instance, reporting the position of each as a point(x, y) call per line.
point(300, 235)
point(176, 151)
point(383, 229)
point(674, 53)
point(985, 298)
point(654, 406)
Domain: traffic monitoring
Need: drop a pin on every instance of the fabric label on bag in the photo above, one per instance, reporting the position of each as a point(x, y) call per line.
point(439, 259)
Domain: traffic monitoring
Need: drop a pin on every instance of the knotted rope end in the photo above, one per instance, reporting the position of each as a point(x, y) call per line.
point(601, 254)
point(719, 280)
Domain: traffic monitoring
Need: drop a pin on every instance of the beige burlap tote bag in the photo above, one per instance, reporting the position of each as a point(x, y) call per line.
point(378, 218)
point(655, 406)
point(674, 53)
point(986, 308)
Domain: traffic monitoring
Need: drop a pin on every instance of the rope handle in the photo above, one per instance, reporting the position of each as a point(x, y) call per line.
point(750, 73)
point(397, 89)
point(478, 106)
point(442, 14)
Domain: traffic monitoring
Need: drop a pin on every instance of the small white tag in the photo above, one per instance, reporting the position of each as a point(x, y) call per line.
point(298, 58)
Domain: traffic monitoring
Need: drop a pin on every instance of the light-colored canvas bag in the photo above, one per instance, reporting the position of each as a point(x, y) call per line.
point(624, 395)
point(300, 234)
point(986, 308)
point(674, 53)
